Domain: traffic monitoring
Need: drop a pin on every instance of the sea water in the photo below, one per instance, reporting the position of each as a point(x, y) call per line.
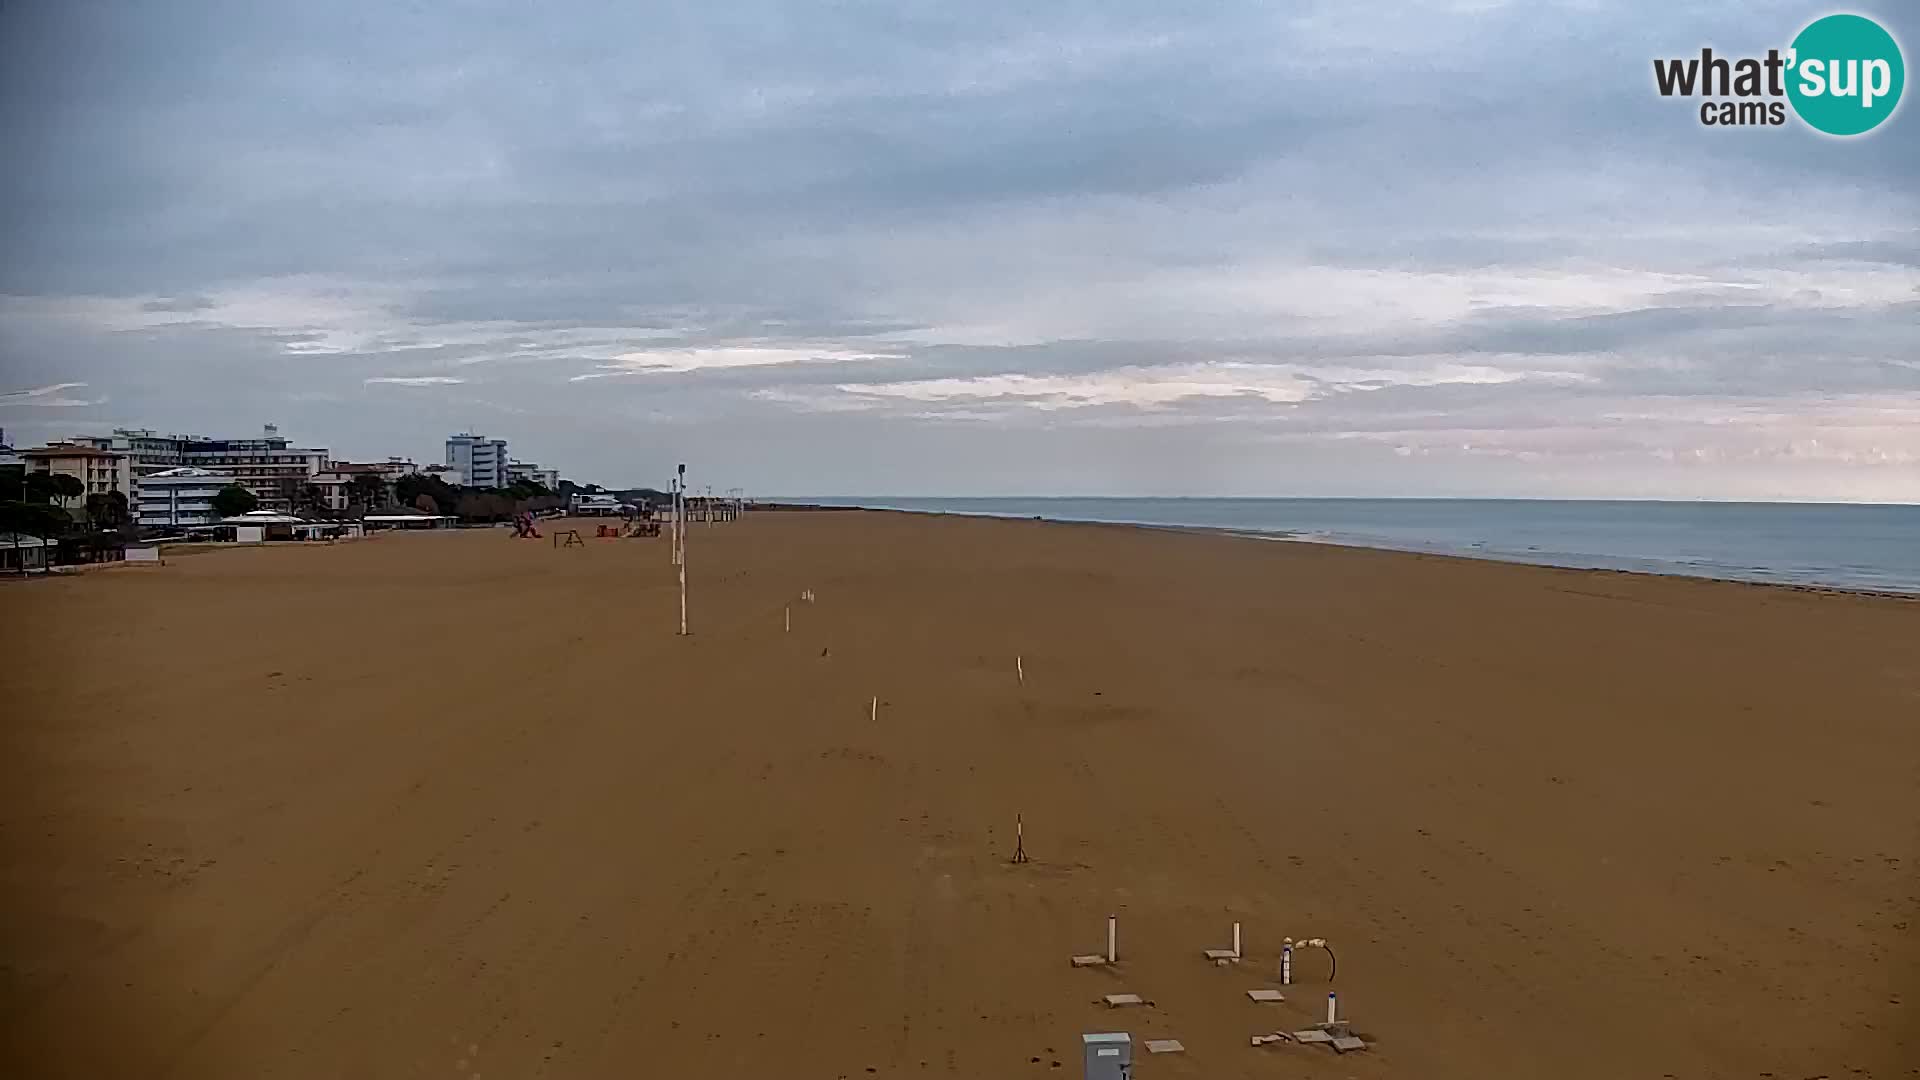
point(1849, 546)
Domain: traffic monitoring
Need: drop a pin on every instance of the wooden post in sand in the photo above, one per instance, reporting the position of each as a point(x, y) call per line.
point(788, 612)
point(1020, 670)
point(873, 711)
point(1113, 939)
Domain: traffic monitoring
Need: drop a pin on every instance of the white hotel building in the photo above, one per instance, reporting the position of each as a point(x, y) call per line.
point(178, 497)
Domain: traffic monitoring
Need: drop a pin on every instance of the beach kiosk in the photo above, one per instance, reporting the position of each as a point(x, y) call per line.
point(255, 526)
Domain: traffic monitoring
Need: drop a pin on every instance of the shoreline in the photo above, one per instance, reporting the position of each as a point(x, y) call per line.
point(1349, 543)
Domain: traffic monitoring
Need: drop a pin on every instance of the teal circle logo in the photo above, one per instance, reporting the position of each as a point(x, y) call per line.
point(1846, 75)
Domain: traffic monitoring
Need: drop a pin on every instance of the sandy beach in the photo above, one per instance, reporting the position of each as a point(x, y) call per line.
point(454, 805)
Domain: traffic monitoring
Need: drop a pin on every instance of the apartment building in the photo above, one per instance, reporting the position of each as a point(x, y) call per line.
point(99, 471)
point(483, 461)
point(178, 497)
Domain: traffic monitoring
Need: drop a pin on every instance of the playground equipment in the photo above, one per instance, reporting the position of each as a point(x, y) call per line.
point(571, 538)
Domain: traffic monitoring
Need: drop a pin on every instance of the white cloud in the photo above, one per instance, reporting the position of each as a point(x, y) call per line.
point(49, 397)
point(652, 361)
point(413, 380)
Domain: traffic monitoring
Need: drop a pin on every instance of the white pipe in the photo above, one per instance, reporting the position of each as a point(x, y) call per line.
point(787, 612)
point(1333, 1009)
point(1236, 941)
point(1020, 670)
point(1286, 965)
point(873, 712)
point(1113, 924)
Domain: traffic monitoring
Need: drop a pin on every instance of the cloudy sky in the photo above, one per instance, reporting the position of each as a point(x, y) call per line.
point(1457, 247)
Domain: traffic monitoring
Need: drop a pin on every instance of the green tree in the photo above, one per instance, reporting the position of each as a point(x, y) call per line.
point(49, 487)
point(367, 489)
point(34, 519)
point(409, 488)
point(426, 504)
point(233, 500)
point(37, 487)
point(311, 500)
point(107, 510)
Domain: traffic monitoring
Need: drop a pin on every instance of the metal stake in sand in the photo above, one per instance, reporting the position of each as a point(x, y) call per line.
point(1019, 840)
point(683, 558)
point(1286, 963)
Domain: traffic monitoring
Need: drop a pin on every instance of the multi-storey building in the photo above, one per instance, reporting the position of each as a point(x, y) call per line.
point(99, 471)
point(481, 460)
point(177, 497)
point(528, 470)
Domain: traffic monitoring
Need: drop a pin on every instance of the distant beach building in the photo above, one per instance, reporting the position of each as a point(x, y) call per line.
point(178, 497)
point(405, 517)
point(446, 474)
point(274, 471)
point(99, 471)
point(582, 505)
point(22, 551)
point(341, 486)
point(529, 470)
point(258, 526)
point(483, 461)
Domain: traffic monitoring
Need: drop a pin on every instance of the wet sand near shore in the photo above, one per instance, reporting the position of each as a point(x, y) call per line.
point(455, 805)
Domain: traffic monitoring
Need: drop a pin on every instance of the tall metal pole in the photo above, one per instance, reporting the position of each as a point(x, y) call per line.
point(683, 562)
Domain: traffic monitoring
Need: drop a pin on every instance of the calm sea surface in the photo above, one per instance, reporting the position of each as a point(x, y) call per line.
point(1846, 546)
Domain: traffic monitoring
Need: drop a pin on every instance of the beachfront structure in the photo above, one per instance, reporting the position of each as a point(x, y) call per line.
point(174, 498)
point(530, 470)
point(22, 551)
point(406, 517)
point(274, 471)
point(99, 471)
point(341, 485)
point(598, 506)
point(258, 526)
point(481, 460)
point(148, 451)
point(446, 474)
point(336, 489)
point(267, 466)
